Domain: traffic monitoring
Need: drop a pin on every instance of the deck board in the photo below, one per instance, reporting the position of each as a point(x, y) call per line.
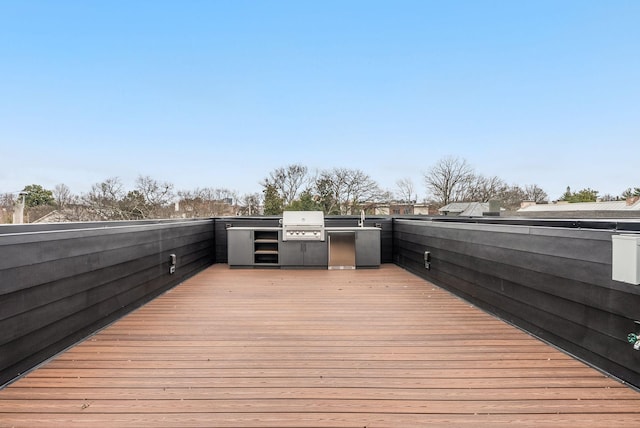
point(310, 348)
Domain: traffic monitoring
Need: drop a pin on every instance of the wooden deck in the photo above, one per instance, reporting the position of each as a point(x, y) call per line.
point(314, 348)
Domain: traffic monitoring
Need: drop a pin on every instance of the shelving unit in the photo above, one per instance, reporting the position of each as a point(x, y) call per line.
point(265, 247)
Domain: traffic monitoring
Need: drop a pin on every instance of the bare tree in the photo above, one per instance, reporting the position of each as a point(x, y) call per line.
point(77, 211)
point(207, 202)
point(6, 200)
point(62, 196)
point(347, 190)
point(219, 201)
point(484, 189)
point(362, 191)
point(6, 207)
point(535, 193)
point(103, 200)
point(289, 181)
point(149, 199)
point(155, 193)
point(250, 204)
point(191, 203)
point(511, 197)
point(405, 190)
point(449, 180)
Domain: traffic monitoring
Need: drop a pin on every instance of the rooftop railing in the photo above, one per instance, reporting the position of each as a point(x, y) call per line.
point(553, 278)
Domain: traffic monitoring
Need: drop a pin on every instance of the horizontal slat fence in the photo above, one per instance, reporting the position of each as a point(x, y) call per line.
point(554, 282)
point(553, 278)
point(58, 285)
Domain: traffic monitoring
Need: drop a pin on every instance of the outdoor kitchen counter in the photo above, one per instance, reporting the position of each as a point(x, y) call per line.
point(328, 229)
point(272, 228)
point(350, 228)
point(247, 247)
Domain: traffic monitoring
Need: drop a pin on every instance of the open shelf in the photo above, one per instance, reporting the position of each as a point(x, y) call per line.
point(265, 247)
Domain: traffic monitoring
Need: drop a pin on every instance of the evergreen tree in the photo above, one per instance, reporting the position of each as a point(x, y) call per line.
point(584, 195)
point(273, 204)
point(38, 196)
point(306, 202)
point(629, 193)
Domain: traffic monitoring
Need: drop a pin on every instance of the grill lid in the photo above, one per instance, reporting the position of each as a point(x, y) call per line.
point(303, 225)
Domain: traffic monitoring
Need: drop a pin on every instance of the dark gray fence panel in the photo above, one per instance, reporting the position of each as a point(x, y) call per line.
point(554, 282)
point(59, 285)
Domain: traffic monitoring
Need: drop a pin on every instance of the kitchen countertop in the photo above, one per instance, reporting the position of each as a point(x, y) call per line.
point(327, 229)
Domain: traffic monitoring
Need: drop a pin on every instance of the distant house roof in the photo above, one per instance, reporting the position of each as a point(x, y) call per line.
point(54, 216)
point(465, 209)
point(611, 209)
point(583, 206)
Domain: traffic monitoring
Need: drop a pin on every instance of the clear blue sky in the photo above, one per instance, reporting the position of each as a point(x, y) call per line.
point(219, 93)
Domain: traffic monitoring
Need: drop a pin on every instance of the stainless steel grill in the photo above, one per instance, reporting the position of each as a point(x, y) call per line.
point(303, 226)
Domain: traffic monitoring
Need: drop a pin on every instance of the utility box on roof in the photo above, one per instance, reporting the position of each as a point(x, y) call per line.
point(625, 266)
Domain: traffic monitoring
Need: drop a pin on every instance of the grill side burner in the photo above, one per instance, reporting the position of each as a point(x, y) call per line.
point(303, 226)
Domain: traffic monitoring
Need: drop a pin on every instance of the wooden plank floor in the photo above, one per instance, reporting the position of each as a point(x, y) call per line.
point(314, 348)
